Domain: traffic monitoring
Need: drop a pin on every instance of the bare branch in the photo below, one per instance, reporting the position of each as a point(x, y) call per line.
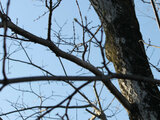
point(155, 12)
point(4, 44)
point(81, 78)
point(45, 107)
point(50, 20)
point(58, 52)
point(48, 111)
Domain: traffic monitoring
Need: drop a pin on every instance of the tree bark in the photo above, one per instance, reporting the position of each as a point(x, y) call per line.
point(125, 49)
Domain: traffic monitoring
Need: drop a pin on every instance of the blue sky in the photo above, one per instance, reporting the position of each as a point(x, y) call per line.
point(25, 13)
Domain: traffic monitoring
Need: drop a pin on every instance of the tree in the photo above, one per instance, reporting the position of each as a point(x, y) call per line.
point(123, 47)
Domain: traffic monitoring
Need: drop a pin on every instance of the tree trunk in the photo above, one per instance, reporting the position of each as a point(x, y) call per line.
point(125, 49)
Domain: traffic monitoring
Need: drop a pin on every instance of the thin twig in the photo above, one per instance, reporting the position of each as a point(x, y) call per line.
point(95, 90)
point(48, 111)
point(149, 44)
point(155, 12)
point(83, 31)
point(49, 20)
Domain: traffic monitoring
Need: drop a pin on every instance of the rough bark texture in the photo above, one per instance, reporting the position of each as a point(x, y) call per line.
point(125, 49)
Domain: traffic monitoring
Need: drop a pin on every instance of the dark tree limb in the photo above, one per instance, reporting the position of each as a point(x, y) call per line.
point(35, 39)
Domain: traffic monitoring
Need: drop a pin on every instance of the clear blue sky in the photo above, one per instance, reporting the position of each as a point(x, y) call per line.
point(25, 13)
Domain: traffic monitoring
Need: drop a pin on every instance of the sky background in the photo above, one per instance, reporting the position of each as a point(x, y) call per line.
point(25, 14)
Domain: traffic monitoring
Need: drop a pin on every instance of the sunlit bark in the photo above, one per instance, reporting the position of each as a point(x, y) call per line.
point(125, 49)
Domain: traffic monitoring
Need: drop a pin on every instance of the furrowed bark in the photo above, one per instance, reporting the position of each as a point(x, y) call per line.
point(125, 49)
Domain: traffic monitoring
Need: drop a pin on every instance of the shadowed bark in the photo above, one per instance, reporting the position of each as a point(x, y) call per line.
point(125, 49)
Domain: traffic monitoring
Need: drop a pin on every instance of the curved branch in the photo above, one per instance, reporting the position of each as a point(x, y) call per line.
point(81, 78)
point(33, 38)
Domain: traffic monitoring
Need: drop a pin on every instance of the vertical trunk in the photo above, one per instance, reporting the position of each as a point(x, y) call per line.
point(125, 49)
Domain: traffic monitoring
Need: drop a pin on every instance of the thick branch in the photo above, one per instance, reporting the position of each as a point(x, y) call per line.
point(58, 52)
point(81, 78)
